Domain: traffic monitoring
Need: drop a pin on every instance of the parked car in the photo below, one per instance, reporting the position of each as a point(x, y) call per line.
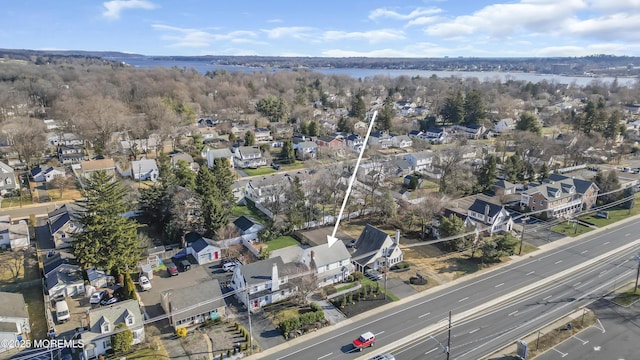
point(229, 266)
point(62, 311)
point(172, 269)
point(365, 340)
point(383, 357)
point(185, 264)
point(109, 301)
point(372, 274)
point(97, 296)
point(145, 284)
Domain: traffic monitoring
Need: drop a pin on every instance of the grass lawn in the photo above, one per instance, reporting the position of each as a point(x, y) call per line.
point(71, 194)
point(365, 280)
point(614, 215)
point(345, 287)
point(281, 242)
point(252, 212)
point(526, 248)
point(15, 201)
point(35, 306)
point(295, 165)
point(544, 342)
point(259, 171)
point(149, 354)
point(568, 229)
point(627, 297)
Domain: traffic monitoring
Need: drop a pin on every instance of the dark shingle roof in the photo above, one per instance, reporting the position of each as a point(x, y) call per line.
point(480, 206)
point(244, 223)
point(369, 243)
point(65, 213)
point(201, 243)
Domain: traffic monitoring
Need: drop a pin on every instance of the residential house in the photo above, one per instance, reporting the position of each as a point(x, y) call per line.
point(246, 225)
point(435, 136)
point(382, 139)
point(264, 282)
point(504, 187)
point(103, 321)
point(489, 217)
point(176, 157)
point(471, 131)
point(560, 196)
point(144, 169)
point(66, 139)
point(420, 161)
point(207, 122)
point(249, 157)
point(376, 250)
point(73, 154)
point(398, 167)
point(208, 134)
point(262, 134)
point(401, 141)
point(330, 141)
point(63, 280)
point(204, 251)
point(267, 189)
point(14, 236)
point(282, 131)
point(64, 224)
point(14, 320)
point(305, 150)
point(141, 146)
point(504, 125)
point(212, 154)
point(99, 278)
point(194, 304)
point(48, 174)
point(330, 264)
point(88, 167)
point(417, 134)
point(8, 179)
point(355, 142)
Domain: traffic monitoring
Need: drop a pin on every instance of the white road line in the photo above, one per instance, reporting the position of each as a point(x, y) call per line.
point(474, 330)
point(578, 283)
point(499, 284)
point(530, 272)
point(584, 342)
point(463, 299)
point(513, 313)
point(430, 351)
point(584, 252)
point(558, 262)
point(560, 352)
point(380, 333)
point(548, 297)
point(605, 243)
point(324, 356)
point(423, 315)
point(627, 234)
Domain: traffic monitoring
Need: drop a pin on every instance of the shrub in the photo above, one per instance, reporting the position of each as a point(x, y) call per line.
point(330, 290)
point(315, 307)
point(181, 332)
point(357, 276)
point(401, 265)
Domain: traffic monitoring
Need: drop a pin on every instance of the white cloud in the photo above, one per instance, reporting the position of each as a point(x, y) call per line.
point(372, 36)
point(296, 32)
point(605, 48)
point(113, 8)
point(386, 13)
point(196, 38)
point(274, 21)
point(422, 20)
point(611, 27)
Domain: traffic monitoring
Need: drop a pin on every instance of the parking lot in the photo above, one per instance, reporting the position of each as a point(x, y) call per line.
point(78, 308)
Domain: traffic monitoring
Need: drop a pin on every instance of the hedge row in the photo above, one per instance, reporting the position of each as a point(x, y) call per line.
point(297, 322)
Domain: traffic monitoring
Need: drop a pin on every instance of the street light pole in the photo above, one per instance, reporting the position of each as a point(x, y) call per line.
point(635, 289)
point(449, 337)
point(524, 223)
point(386, 263)
point(249, 314)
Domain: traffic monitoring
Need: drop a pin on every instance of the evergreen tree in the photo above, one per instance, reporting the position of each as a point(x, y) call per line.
point(296, 201)
point(383, 122)
point(488, 173)
point(529, 122)
point(304, 127)
point(183, 175)
point(358, 108)
point(343, 125)
point(613, 125)
point(313, 128)
point(152, 202)
point(453, 109)
point(108, 240)
point(205, 184)
point(452, 226)
point(544, 172)
point(287, 153)
point(214, 214)
point(224, 181)
point(249, 138)
point(474, 111)
point(122, 340)
point(388, 207)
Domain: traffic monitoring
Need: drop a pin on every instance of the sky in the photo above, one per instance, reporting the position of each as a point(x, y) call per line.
point(327, 28)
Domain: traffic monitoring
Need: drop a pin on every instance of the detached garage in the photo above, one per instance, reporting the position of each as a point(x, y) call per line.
point(204, 251)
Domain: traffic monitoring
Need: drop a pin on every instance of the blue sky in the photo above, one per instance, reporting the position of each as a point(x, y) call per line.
point(330, 28)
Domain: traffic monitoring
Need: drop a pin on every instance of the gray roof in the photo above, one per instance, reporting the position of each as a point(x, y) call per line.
point(581, 185)
point(504, 184)
point(307, 145)
point(113, 314)
point(7, 173)
point(325, 255)
point(480, 207)
point(425, 154)
point(560, 183)
point(220, 153)
point(370, 241)
point(260, 271)
point(144, 165)
point(181, 156)
point(65, 274)
point(65, 213)
point(13, 305)
point(195, 299)
point(246, 150)
point(202, 243)
point(55, 261)
point(15, 231)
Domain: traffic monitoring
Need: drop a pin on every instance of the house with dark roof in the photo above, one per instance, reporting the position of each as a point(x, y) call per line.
point(471, 131)
point(330, 264)
point(102, 323)
point(331, 141)
point(14, 320)
point(376, 249)
point(504, 187)
point(355, 142)
point(63, 281)
point(247, 225)
point(72, 154)
point(401, 141)
point(46, 174)
point(204, 250)
point(560, 196)
point(64, 224)
point(488, 216)
point(381, 138)
point(435, 135)
point(194, 304)
point(14, 236)
point(266, 282)
point(8, 179)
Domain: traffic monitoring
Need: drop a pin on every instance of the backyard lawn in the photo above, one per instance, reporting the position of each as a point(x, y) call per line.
point(281, 242)
point(251, 212)
point(259, 171)
point(615, 215)
point(568, 229)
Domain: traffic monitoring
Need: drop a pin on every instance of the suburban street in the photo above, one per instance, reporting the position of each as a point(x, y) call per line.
point(424, 310)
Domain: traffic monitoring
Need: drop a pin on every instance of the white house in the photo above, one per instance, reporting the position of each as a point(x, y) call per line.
point(102, 322)
point(64, 224)
point(485, 214)
point(144, 169)
point(401, 141)
point(65, 280)
point(471, 131)
point(382, 139)
point(247, 225)
point(305, 150)
point(330, 264)
point(14, 320)
point(99, 278)
point(262, 134)
point(249, 157)
point(435, 135)
point(212, 154)
point(13, 236)
point(265, 281)
point(71, 154)
point(355, 142)
point(41, 174)
point(8, 179)
point(421, 160)
point(267, 189)
point(375, 249)
point(204, 251)
point(504, 125)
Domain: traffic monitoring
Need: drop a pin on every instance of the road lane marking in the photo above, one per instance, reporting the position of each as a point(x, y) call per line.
point(430, 351)
point(530, 272)
point(513, 313)
point(463, 299)
point(605, 243)
point(560, 352)
point(627, 234)
point(584, 342)
point(380, 333)
point(558, 262)
point(584, 252)
point(576, 284)
point(474, 330)
point(423, 315)
point(324, 356)
point(548, 297)
point(499, 284)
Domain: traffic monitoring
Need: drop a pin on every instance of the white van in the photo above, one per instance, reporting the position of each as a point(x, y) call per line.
point(62, 311)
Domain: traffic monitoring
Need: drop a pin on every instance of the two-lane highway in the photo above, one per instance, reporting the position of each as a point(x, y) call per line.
point(393, 324)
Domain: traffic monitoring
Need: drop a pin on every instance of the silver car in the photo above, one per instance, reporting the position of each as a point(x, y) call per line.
point(383, 357)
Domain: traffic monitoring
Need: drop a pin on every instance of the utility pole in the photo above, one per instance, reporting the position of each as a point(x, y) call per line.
point(635, 289)
point(449, 337)
point(524, 223)
point(249, 314)
point(386, 263)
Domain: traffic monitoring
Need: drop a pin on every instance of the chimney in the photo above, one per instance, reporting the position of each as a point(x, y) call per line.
point(487, 208)
point(397, 237)
point(275, 286)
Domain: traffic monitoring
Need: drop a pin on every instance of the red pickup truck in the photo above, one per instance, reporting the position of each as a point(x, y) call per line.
point(365, 340)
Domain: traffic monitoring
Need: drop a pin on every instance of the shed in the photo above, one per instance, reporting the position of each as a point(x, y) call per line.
point(146, 270)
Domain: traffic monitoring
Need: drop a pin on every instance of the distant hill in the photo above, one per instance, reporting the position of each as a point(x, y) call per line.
point(25, 53)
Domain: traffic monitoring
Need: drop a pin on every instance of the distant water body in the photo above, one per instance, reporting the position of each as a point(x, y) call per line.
point(204, 66)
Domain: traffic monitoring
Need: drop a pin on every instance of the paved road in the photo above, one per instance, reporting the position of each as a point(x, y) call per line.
point(415, 314)
point(614, 337)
